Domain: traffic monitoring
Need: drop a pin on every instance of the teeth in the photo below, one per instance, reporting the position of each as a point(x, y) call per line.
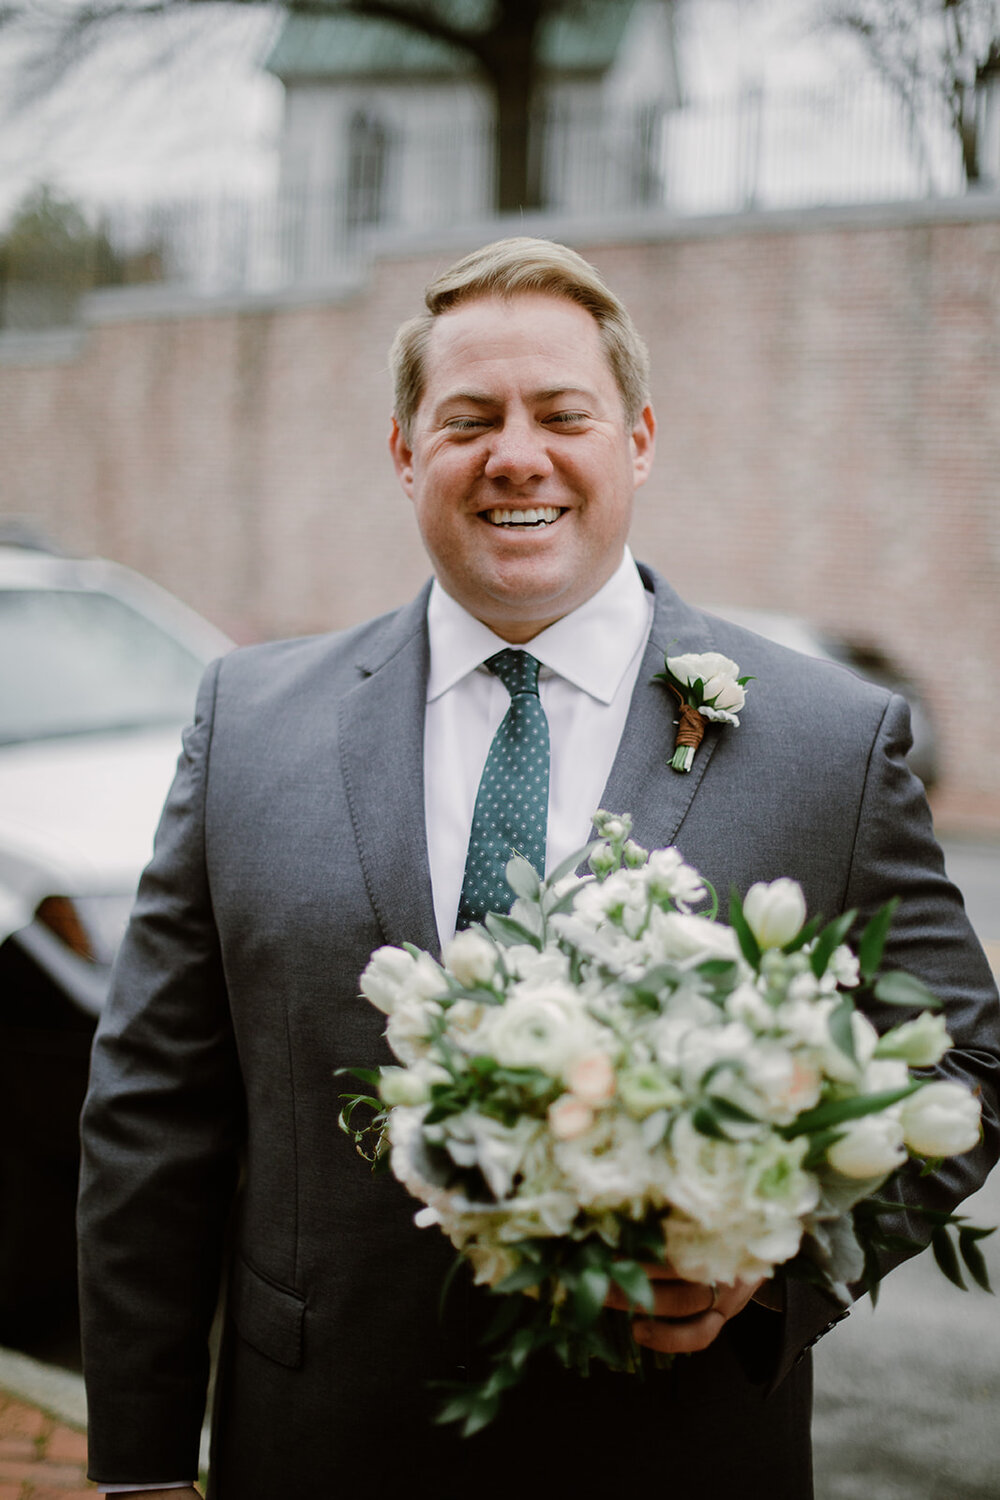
point(542, 515)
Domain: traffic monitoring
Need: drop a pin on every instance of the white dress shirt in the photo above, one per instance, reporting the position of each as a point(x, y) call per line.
point(590, 662)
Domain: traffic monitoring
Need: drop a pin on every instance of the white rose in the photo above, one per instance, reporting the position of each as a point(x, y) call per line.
point(409, 1028)
point(870, 1147)
point(400, 1086)
point(471, 958)
point(775, 912)
point(921, 1042)
point(941, 1120)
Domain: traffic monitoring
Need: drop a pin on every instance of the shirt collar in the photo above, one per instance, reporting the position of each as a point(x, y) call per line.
point(591, 647)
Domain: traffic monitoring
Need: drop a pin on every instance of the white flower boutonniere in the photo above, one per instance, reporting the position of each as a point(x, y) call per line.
point(709, 689)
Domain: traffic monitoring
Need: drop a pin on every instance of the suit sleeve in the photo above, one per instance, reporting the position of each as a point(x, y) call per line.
point(162, 1130)
point(896, 854)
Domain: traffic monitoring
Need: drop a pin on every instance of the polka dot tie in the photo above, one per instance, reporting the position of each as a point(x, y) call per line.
point(512, 804)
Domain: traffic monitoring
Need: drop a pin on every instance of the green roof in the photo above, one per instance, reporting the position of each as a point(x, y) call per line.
point(585, 39)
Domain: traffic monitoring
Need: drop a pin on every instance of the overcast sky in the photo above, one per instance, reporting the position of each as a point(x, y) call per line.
point(183, 107)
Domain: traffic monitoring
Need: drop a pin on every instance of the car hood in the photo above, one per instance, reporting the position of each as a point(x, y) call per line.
point(77, 815)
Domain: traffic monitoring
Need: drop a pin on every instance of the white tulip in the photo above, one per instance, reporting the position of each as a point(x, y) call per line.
point(870, 1147)
point(941, 1120)
point(471, 958)
point(775, 912)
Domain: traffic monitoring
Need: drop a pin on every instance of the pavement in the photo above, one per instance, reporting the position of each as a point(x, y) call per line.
point(907, 1394)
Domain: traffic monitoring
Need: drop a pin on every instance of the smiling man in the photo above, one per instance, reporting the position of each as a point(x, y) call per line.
point(345, 792)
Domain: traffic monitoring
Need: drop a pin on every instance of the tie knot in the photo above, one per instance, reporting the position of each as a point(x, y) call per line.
point(517, 670)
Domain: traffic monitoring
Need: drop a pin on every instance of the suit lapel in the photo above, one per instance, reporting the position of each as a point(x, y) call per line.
point(381, 733)
point(641, 781)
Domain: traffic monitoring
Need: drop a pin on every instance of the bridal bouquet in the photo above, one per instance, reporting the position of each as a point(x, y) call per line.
point(611, 1076)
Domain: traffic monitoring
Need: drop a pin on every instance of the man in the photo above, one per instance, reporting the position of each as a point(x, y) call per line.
point(322, 808)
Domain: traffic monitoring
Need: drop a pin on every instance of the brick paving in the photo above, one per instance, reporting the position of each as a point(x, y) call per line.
point(41, 1458)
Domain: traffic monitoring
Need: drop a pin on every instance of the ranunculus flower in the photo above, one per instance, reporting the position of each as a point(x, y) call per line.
point(870, 1147)
point(707, 665)
point(941, 1120)
point(645, 1089)
point(570, 1117)
point(921, 1042)
point(592, 1079)
point(775, 912)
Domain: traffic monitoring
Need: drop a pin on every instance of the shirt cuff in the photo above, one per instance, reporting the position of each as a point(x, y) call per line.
point(123, 1489)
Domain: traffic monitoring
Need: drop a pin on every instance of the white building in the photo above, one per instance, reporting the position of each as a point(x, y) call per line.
point(385, 128)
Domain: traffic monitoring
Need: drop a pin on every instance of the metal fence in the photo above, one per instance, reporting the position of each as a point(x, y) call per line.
point(756, 151)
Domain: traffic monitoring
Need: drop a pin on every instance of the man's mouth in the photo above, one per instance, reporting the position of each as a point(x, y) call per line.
point(541, 515)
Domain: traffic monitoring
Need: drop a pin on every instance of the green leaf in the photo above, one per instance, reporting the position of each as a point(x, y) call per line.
point(748, 943)
point(707, 1122)
point(634, 1282)
point(841, 1030)
point(589, 1292)
point(973, 1256)
point(509, 931)
point(522, 877)
point(370, 1076)
point(829, 939)
point(527, 1274)
point(572, 863)
point(873, 938)
point(946, 1257)
point(900, 988)
point(836, 1111)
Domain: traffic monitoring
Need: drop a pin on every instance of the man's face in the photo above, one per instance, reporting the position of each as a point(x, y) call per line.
point(521, 466)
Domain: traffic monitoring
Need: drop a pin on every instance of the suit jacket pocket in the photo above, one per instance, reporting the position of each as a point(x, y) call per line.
point(268, 1316)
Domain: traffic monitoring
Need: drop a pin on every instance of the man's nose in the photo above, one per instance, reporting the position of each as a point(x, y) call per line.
point(518, 452)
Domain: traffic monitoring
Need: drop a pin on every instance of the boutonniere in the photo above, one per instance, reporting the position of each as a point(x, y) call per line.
point(709, 689)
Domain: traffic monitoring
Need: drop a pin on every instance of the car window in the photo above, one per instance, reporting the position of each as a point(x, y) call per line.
point(83, 663)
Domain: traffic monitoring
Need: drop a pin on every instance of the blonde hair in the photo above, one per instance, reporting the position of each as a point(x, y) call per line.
point(507, 268)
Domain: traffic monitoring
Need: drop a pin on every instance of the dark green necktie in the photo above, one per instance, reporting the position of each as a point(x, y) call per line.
point(512, 803)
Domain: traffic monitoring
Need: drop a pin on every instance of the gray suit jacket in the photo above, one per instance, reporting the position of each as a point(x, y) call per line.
point(291, 846)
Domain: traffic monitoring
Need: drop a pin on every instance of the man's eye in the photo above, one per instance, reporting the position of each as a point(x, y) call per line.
point(566, 418)
point(466, 424)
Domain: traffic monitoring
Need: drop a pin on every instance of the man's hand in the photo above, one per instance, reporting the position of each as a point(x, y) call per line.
point(687, 1315)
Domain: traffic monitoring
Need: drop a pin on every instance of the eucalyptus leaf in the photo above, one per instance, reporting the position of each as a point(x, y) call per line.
point(589, 1292)
point(509, 931)
point(522, 877)
point(900, 988)
point(841, 1028)
point(572, 862)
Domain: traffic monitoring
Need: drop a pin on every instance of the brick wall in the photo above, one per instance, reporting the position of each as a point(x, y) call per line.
point(828, 392)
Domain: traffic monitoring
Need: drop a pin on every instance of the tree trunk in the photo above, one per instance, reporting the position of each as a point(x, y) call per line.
point(511, 75)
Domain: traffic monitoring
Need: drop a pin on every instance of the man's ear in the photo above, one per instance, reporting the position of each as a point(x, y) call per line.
point(402, 457)
point(643, 438)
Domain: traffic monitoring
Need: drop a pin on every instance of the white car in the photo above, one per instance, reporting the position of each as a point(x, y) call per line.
point(98, 674)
